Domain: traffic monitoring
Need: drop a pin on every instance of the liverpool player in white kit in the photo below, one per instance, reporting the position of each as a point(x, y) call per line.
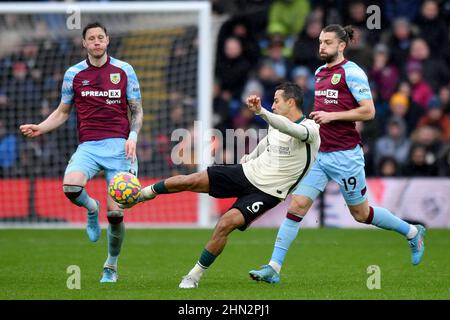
point(101, 89)
point(263, 179)
point(342, 96)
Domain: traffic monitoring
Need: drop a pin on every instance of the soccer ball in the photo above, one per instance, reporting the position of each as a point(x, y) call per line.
point(124, 188)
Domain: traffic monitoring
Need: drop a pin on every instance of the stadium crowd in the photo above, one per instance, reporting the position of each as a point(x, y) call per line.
point(260, 44)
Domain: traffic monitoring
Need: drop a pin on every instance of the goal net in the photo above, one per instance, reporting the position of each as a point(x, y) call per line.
point(164, 42)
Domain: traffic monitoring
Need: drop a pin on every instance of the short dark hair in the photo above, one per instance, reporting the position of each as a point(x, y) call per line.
point(93, 25)
point(343, 33)
point(292, 90)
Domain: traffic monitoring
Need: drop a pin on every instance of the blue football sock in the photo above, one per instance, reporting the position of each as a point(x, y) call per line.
point(384, 219)
point(83, 200)
point(116, 233)
point(286, 234)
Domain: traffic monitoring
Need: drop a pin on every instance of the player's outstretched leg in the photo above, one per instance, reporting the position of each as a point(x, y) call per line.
point(78, 196)
point(417, 245)
point(195, 182)
point(148, 193)
point(116, 234)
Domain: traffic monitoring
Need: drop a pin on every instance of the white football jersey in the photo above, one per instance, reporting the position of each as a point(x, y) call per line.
point(286, 158)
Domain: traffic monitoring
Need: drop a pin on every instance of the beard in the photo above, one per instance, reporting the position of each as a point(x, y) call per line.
point(328, 58)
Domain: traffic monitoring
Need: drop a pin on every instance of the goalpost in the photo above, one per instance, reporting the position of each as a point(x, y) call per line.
point(170, 46)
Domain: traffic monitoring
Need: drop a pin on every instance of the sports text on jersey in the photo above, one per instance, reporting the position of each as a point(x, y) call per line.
point(329, 93)
point(106, 93)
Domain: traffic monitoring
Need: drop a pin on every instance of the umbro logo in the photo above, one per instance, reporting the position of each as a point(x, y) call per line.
point(85, 82)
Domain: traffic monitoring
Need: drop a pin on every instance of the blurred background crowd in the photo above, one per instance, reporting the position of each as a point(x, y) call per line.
point(259, 45)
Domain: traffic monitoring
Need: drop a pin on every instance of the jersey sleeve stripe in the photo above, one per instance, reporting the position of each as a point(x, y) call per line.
point(308, 163)
point(67, 86)
point(307, 133)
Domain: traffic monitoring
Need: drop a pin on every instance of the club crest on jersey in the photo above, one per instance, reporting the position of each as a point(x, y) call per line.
point(115, 78)
point(336, 78)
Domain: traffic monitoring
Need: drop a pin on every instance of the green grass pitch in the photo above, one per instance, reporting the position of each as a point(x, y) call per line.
point(321, 264)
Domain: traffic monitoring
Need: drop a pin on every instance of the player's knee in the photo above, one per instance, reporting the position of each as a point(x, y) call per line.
point(226, 225)
point(299, 205)
point(115, 216)
point(72, 192)
point(359, 214)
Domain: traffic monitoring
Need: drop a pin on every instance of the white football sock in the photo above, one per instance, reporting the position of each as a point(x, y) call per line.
point(275, 265)
point(148, 192)
point(412, 232)
point(197, 271)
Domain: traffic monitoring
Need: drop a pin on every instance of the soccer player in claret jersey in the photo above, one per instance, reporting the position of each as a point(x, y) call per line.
point(342, 96)
point(102, 89)
point(263, 179)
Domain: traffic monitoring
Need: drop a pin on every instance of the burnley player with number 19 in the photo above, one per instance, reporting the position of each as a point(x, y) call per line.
point(101, 89)
point(342, 96)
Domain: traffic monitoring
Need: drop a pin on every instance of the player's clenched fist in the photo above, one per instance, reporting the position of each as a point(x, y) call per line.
point(254, 103)
point(30, 130)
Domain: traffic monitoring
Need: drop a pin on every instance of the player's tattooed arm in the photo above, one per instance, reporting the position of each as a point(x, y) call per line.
point(137, 115)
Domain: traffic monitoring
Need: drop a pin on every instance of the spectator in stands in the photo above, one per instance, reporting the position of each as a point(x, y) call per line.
point(399, 39)
point(4, 112)
point(384, 73)
point(255, 87)
point(388, 167)
point(381, 107)
point(394, 143)
point(232, 71)
point(401, 106)
point(221, 110)
point(432, 27)
point(393, 9)
point(436, 118)
point(268, 78)
point(306, 45)
point(275, 56)
point(355, 14)
point(329, 11)
point(8, 149)
point(254, 12)
point(444, 98)
point(444, 161)
point(417, 165)
point(435, 70)
point(239, 27)
point(421, 92)
point(287, 17)
point(305, 80)
point(22, 93)
point(429, 138)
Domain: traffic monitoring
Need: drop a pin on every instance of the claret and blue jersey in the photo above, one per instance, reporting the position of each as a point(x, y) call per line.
point(100, 96)
point(340, 88)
